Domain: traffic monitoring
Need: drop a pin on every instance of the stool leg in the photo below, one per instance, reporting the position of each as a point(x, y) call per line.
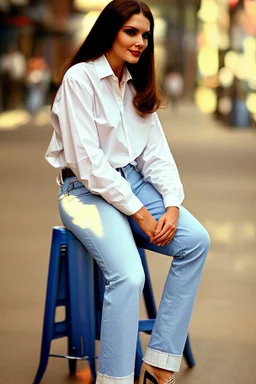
point(99, 289)
point(188, 354)
point(50, 304)
point(81, 312)
point(138, 360)
point(148, 290)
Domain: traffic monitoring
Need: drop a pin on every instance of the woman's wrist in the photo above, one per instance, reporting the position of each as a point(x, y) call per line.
point(140, 214)
point(172, 208)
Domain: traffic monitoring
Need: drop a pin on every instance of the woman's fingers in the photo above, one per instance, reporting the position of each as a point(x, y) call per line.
point(169, 239)
point(158, 235)
point(166, 238)
point(167, 228)
point(160, 225)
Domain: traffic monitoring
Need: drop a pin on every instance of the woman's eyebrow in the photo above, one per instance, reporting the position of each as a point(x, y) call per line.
point(129, 26)
point(135, 29)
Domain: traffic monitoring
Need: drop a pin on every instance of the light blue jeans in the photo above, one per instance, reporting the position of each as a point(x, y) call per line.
point(109, 236)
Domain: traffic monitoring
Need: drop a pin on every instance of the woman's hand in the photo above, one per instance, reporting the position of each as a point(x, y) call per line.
point(146, 222)
point(166, 227)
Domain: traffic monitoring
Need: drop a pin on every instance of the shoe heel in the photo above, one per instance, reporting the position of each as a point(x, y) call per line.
point(148, 376)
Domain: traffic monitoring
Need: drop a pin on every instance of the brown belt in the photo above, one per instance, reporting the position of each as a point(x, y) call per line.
point(66, 172)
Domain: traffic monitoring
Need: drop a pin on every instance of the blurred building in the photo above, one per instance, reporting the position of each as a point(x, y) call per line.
point(226, 81)
point(53, 29)
point(37, 28)
point(210, 43)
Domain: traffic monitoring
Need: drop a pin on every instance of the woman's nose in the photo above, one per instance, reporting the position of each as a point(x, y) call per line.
point(140, 42)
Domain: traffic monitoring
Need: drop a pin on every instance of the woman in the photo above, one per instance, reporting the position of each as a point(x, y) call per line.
point(119, 182)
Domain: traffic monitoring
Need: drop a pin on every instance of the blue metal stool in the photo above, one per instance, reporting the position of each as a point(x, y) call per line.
point(77, 283)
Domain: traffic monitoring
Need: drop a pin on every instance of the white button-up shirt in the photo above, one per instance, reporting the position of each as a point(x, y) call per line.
point(97, 129)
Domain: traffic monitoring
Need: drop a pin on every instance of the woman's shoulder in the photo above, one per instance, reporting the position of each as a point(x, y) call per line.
point(78, 75)
point(80, 71)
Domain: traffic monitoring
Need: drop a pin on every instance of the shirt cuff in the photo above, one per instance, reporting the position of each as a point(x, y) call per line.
point(173, 201)
point(132, 206)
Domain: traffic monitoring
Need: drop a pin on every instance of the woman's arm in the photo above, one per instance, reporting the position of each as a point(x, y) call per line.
point(146, 222)
point(74, 109)
point(158, 166)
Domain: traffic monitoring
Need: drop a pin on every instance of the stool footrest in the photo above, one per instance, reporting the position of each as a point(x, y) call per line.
point(61, 302)
point(146, 325)
point(60, 330)
point(71, 357)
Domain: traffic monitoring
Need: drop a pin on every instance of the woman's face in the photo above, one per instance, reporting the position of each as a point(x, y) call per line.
point(132, 39)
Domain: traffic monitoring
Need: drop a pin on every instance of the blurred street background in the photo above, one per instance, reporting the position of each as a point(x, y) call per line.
point(206, 64)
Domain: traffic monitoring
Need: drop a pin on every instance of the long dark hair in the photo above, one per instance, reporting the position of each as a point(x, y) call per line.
point(100, 40)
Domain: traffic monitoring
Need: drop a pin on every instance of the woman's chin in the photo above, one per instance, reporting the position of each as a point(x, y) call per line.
point(132, 60)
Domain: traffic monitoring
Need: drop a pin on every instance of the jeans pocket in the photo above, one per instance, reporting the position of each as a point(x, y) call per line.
point(73, 187)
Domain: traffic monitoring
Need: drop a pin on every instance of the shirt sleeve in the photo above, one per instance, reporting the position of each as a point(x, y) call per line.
point(158, 167)
point(74, 110)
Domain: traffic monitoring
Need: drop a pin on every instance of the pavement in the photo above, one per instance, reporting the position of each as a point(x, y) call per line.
point(217, 167)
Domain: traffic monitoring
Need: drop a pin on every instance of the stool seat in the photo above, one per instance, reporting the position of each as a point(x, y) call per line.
point(76, 283)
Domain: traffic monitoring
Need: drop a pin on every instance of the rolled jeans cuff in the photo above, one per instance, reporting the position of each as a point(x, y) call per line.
point(162, 360)
point(104, 379)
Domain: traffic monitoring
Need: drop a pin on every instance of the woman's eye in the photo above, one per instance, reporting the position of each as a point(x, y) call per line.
point(146, 35)
point(130, 32)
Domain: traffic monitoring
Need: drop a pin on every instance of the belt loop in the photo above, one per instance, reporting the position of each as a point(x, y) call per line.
point(120, 170)
point(59, 179)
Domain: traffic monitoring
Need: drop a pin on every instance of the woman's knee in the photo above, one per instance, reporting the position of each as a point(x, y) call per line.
point(133, 280)
point(136, 279)
point(202, 239)
point(192, 234)
point(206, 241)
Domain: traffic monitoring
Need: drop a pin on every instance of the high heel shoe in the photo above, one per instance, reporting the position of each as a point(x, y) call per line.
point(146, 375)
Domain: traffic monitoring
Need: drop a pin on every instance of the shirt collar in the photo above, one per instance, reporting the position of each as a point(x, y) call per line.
point(104, 69)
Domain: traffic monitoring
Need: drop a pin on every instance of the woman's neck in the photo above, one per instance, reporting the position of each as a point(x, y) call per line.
point(116, 64)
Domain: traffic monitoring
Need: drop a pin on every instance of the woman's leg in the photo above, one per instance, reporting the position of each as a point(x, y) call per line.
point(189, 249)
point(106, 233)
